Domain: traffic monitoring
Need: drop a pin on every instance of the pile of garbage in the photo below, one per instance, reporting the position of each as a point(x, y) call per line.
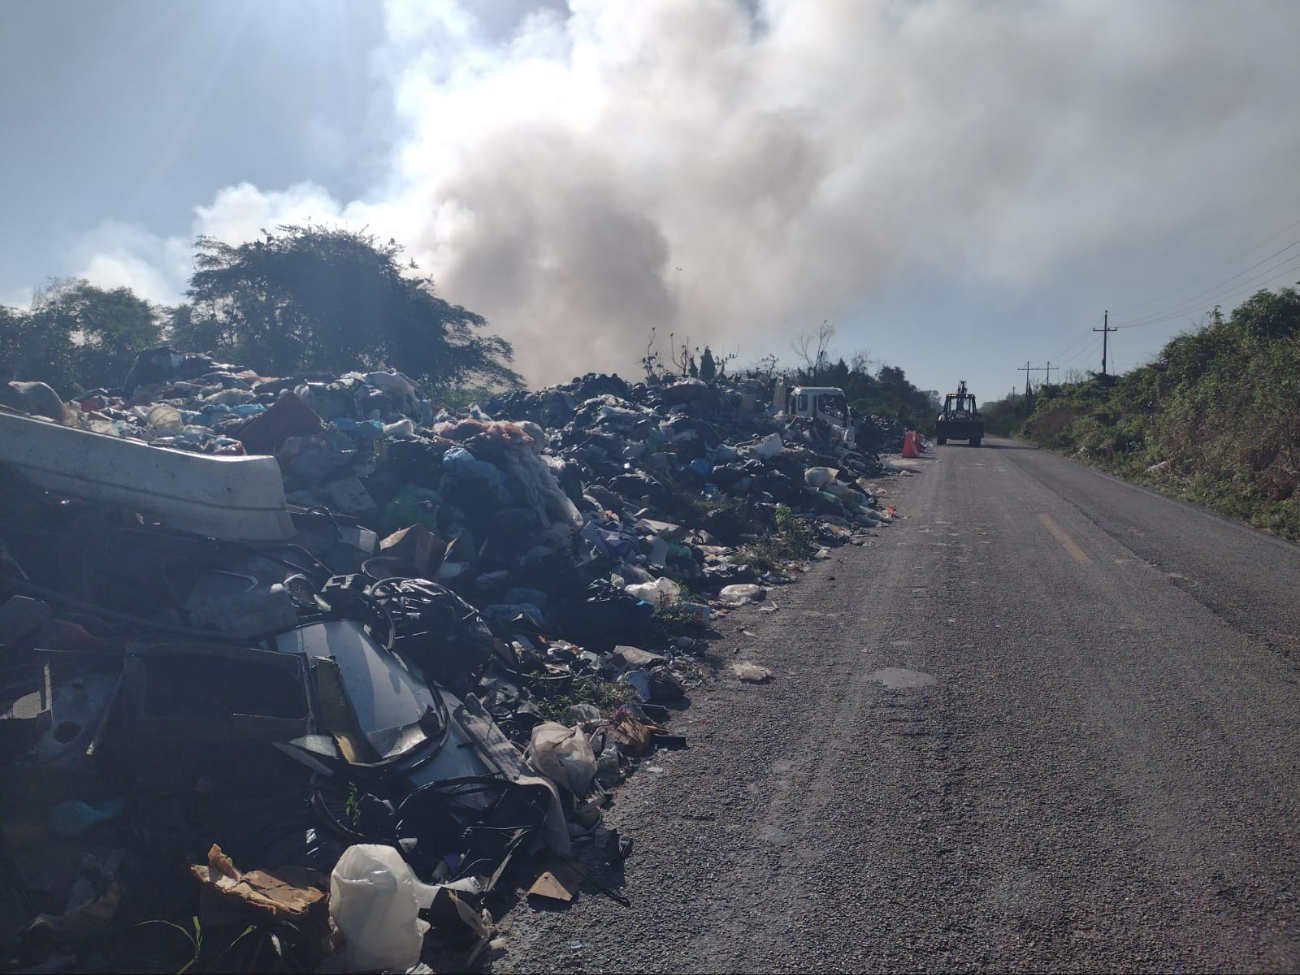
point(338, 666)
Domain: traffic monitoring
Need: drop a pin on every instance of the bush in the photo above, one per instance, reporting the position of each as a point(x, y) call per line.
point(1220, 405)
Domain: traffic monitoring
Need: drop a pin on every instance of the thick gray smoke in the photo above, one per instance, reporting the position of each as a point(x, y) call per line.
point(738, 173)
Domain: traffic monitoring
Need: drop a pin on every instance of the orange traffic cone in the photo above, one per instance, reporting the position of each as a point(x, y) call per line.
point(911, 444)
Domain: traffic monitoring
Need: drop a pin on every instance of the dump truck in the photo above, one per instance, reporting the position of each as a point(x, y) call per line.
point(960, 420)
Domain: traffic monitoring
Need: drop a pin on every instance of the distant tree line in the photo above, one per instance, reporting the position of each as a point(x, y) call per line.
point(305, 299)
point(871, 390)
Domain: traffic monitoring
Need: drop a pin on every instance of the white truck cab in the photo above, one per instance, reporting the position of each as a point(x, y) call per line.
point(825, 403)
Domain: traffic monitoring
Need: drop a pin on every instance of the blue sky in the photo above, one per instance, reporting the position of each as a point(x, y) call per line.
point(959, 186)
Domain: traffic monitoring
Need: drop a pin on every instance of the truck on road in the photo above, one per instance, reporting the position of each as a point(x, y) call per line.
point(960, 420)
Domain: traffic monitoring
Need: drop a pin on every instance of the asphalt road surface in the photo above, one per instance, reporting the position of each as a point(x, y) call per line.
point(1047, 721)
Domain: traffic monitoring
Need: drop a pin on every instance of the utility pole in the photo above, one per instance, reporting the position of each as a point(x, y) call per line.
point(1027, 369)
point(1049, 371)
point(1105, 331)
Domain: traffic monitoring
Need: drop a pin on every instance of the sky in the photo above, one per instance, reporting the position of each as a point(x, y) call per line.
point(959, 187)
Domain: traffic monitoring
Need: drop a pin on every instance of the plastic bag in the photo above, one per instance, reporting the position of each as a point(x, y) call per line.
point(657, 592)
point(402, 429)
point(563, 756)
point(769, 446)
point(740, 594)
point(164, 421)
point(481, 478)
point(541, 488)
point(375, 902)
point(819, 477)
point(639, 681)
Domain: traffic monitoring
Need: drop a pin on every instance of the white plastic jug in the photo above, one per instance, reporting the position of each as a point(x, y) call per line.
point(375, 901)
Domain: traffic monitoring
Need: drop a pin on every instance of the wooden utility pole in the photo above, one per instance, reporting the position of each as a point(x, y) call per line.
point(1105, 331)
point(1049, 371)
point(1027, 369)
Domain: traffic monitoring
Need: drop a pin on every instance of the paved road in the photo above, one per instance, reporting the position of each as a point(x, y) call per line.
point(1104, 772)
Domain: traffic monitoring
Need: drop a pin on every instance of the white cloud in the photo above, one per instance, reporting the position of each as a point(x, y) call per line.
point(680, 165)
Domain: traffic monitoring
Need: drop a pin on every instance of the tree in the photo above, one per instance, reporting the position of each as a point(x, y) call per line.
point(651, 362)
point(765, 367)
point(812, 348)
point(321, 299)
point(1269, 314)
point(109, 328)
point(77, 335)
point(861, 362)
point(708, 368)
point(23, 353)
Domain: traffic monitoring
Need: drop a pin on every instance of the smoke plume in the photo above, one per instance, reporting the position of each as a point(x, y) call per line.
point(738, 172)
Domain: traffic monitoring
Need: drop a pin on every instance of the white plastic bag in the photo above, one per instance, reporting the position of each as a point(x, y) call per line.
point(165, 421)
point(657, 592)
point(638, 680)
point(819, 477)
point(769, 446)
point(563, 756)
point(740, 594)
point(375, 901)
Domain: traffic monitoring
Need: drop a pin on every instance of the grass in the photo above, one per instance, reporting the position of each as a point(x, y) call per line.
point(557, 705)
point(676, 619)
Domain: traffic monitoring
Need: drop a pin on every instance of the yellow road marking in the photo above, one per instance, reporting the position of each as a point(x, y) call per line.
point(1066, 541)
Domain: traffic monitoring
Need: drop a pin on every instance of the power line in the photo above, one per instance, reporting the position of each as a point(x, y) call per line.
point(1087, 352)
point(1242, 288)
point(1199, 297)
point(1192, 300)
point(1060, 356)
point(1208, 271)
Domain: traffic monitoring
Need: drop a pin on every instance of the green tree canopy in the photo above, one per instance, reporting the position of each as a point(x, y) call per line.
point(320, 299)
point(1269, 314)
point(77, 336)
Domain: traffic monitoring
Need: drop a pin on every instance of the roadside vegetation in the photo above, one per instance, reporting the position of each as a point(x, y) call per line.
point(555, 699)
point(773, 551)
point(1213, 418)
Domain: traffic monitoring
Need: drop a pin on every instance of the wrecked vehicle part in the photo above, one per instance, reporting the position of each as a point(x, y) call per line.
point(329, 697)
point(375, 710)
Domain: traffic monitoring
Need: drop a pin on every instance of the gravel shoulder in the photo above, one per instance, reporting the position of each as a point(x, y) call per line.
point(982, 749)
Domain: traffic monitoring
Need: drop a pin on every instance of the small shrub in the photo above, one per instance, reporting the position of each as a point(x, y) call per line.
point(676, 619)
point(791, 542)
